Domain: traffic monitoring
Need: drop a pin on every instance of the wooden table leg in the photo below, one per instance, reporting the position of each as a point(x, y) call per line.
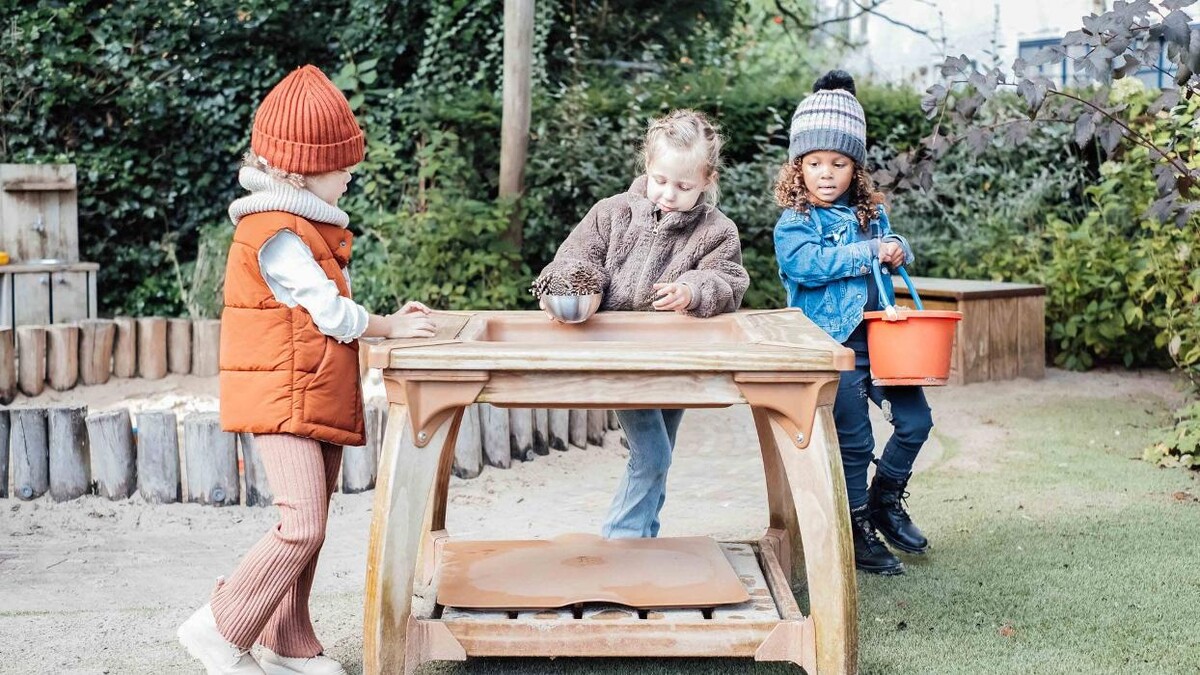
point(779, 503)
point(818, 489)
point(400, 520)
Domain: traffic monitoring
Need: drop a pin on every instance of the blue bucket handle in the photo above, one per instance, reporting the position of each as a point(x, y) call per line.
point(887, 293)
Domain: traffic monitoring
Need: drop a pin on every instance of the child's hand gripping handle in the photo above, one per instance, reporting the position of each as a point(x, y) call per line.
point(887, 294)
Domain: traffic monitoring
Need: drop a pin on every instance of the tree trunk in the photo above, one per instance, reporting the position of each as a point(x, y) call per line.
point(30, 452)
point(114, 455)
point(62, 356)
point(125, 353)
point(179, 346)
point(96, 338)
point(152, 347)
point(210, 456)
point(70, 457)
point(158, 456)
point(31, 359)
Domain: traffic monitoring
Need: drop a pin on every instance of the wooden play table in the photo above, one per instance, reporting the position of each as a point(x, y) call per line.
point(776, 361)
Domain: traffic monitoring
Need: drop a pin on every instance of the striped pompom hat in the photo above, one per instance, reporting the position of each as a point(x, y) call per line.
point(830, 118)
point(305, 126)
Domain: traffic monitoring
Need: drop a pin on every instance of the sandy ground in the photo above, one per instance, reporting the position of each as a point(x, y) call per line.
point(93, 586)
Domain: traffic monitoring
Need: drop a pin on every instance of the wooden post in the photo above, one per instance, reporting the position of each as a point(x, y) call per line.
point(31, 359)
point(258, 491)
point(514, 126)
point(361, 463)
point(560, 423)
point(579, 428)
point(158, 456)
point(8, 367)
point(30, 452)
point(96, 338)
point(206, 347)
point(497, 446)
point(4, 437)
point(520, 430)
point(114, 455)
point(613, 422)
point(152, 347)
point(125, 352)
point(179, 346)
point(70, 457)
point(541, 432)
point(468, 448)
point(62, 356)
point(210, 456)
point(596, 421)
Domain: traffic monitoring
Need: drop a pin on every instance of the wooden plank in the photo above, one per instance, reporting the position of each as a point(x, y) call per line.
point(158, 456)
point(31, 359)
point(497, 441)
point(578, 428)
point(520, 425)
point(1003, 334)
point(33, 289)
point(96, 337)
point(62, 356)
point(210, 456)
point(30, 451)
point(114, 455)
point(152, 347)
point(125, 350)
point(179, 346)
point(70, 455)
point(206, 347)
point(69, 296)
point(1031, 337)
point(613, 422)
point(976, 351)
point(468, 447)
point(966, 289)
point(8, 366)
point(457, 614)
point(33, 190)
point(760, 606)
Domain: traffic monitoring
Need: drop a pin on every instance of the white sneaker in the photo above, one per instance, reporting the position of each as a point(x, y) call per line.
point(203, 641)
point(274, 664)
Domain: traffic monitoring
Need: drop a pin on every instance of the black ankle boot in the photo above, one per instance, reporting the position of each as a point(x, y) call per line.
point(870, 555)
point(886, 502)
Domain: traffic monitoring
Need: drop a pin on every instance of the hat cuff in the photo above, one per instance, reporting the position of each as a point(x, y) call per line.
point(307, 158)
point(807, 141)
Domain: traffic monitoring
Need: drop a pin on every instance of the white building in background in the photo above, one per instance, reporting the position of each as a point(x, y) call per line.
point(905, 40)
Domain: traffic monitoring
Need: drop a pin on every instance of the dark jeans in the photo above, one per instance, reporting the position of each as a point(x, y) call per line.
point(905, 408)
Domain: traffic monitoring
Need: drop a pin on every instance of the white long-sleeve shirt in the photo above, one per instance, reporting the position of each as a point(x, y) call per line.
point(286, 262)
point(295, 278)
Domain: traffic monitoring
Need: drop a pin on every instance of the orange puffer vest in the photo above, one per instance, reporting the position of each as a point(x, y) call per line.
point(279, 373)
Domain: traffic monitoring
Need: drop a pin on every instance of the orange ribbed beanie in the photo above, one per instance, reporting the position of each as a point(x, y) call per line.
point(305, 126)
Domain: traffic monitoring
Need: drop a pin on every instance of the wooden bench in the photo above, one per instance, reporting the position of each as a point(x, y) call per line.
point(1003, 332)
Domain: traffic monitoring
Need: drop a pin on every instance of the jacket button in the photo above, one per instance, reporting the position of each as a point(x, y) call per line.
point(342, 244)
point(864, 269)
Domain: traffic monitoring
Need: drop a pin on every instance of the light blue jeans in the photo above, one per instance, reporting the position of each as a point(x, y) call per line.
point(643, 490)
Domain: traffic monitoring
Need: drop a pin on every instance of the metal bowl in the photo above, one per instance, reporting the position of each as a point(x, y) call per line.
point(572, 308)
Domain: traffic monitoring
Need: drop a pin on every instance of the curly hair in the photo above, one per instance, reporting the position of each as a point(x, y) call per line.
point(792, 193)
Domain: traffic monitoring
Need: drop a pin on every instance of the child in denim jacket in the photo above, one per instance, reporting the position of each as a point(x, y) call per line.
point(833, 226)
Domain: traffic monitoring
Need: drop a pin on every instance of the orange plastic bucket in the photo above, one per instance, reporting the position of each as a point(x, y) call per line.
point(909, 346)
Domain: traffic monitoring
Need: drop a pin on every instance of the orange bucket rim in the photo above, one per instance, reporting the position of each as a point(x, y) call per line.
point(916, 313)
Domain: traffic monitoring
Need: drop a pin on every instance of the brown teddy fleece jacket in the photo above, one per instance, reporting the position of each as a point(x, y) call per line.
point(630, 246)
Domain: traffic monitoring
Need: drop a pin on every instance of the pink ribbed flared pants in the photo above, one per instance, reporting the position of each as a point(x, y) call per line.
point(266, 597)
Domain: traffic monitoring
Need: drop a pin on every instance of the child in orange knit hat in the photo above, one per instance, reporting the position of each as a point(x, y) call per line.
point(289, 369)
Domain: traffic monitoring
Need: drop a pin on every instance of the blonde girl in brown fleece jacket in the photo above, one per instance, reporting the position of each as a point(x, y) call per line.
point(660, 246)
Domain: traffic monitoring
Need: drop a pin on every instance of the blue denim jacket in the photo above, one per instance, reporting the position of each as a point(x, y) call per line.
point(825, 263)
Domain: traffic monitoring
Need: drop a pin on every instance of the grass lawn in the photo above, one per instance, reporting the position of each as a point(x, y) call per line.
point(1062, 553)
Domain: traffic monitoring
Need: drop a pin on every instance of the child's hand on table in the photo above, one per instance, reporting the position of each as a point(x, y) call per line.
point(672, 297)
point(409, 323)
point(413, 307)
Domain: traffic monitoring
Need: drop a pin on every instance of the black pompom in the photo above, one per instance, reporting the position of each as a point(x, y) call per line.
point(835, 79)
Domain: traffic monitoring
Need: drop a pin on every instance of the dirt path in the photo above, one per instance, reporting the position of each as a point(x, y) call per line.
point(93, 586)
